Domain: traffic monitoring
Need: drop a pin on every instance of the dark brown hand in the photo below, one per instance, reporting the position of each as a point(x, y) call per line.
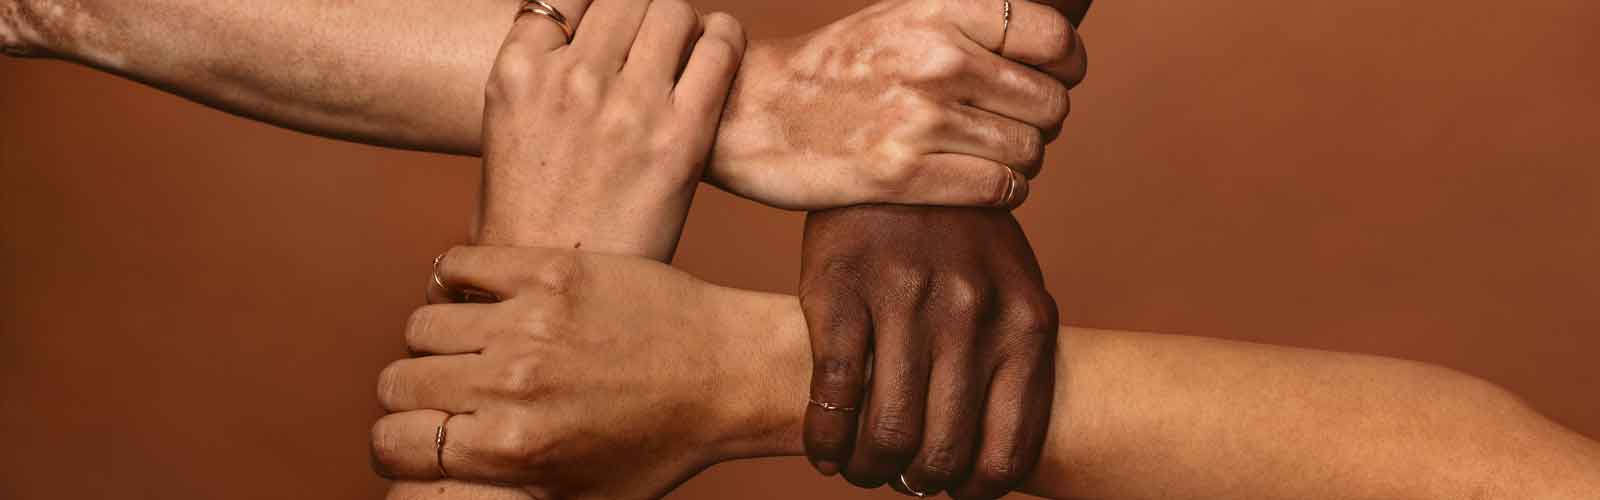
point(953, 309)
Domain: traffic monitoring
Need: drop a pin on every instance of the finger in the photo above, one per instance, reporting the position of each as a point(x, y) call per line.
point(441, 292)
point(1017, 415)
point(539, 33)
point(502, 272)
point(670, 28)
point(840, 326)
point(891, 426)
point(405, 446)
point(955, 405)
point(609, 30)
point(975, 132)
point(431, 382)
point(1016, 91)
point(952, 180)
point(448, 329)
point(1038, 35)
point(703, 90)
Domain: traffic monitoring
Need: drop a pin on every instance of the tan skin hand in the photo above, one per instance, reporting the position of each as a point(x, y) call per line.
point(570, 386)
point(934, 115)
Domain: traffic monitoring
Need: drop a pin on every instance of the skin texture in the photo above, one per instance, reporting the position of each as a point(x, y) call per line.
point(584, 150)
point(431, 68)
point(953, 309)
point(1137, 416)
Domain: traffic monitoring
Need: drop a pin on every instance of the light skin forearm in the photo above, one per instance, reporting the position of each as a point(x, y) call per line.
point(407, 73)
point(1146, 416)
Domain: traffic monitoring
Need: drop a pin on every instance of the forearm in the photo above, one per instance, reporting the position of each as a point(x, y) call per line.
point(406, 73)
point(1144, 416)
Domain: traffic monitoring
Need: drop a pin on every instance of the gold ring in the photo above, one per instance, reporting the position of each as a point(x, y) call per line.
point(909, 490)
point(436, 280)
point(438, 445)
point(1005, 25)
point(544, 9)
point(831, 407)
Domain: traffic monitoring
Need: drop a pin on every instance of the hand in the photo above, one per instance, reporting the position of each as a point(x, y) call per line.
point(952, 306)
point(904, 102)
point(599, 144)
point(597, 377)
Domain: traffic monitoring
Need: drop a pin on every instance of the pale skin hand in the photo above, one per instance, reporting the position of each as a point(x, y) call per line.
point(1137, 416)
point(399, 73)
point(599, 145)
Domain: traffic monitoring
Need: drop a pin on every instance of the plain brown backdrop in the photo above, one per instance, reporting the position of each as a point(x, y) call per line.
point(195, 306)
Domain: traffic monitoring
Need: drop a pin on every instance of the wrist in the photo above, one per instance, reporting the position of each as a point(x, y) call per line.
point(765, 359)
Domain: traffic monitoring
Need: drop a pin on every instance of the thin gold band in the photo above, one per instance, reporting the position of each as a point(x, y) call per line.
point(547, 11)
point(438, 445)
point(1005, 25)
point(831, 407)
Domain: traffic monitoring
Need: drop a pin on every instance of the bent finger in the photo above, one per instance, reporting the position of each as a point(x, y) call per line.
point(431, 382)
point(891, 426)
point(974, 132)
point(545, 33)
point(840, 327)
point(448, 329)
point(609, 31)
point(958, 180)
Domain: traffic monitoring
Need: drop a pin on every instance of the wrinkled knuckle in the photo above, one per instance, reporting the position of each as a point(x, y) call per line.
point(836, 372)
point(385, 446)
point(389, 386)
point(826, 443)
point(890, 436)
point(999, 476)
point(1056, 37)
point(417, 326)
point(940, 467)
point(1057, 101)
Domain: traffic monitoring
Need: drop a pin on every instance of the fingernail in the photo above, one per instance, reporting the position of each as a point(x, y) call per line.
point(827, 468)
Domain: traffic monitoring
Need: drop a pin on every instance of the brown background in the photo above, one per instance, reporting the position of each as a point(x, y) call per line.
point(195, 305)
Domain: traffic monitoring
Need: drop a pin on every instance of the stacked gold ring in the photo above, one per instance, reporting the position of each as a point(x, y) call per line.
point(547, 11)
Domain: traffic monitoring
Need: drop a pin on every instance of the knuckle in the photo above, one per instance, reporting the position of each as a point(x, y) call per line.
point(1057, 100)
point(518, 446)
point(389, 386)
point(559, 274)
point(580, 83)
point(1056, 37)
point(819, 296)
point(965, 296)
point(890, 436)
point(521, 377)
point(511, 77)
point(385, 446)
point(940, 63)
point(939, 465)
point(726, 25)
point(417, 326)
point(836, 372)
point(998, 476)
point(1034, 315)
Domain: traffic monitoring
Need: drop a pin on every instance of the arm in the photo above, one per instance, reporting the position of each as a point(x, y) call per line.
point(1137, 416)
point(410, 74)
